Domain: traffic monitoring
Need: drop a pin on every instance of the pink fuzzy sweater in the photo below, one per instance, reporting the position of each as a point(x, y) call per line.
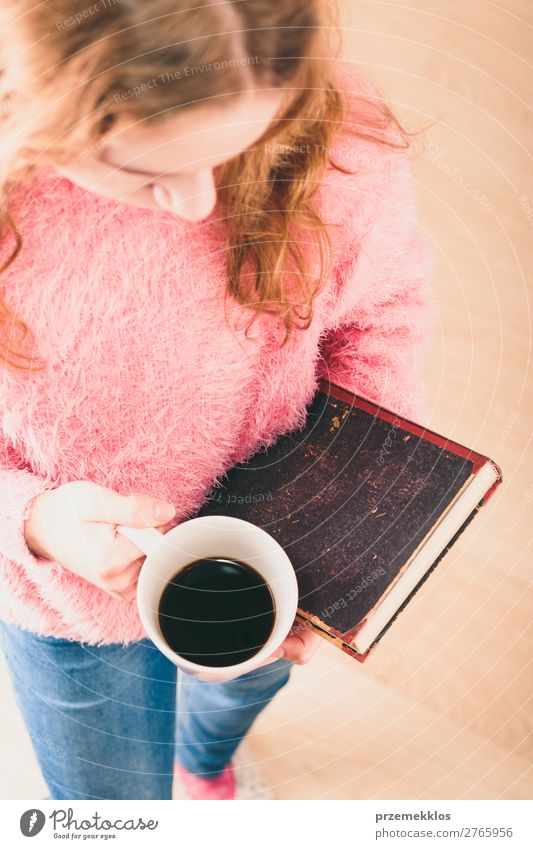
point(148, 388)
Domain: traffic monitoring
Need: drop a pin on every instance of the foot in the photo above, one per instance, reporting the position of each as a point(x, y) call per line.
point(197, 787)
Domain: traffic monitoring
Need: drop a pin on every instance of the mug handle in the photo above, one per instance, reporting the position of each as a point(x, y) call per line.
point(147, 539)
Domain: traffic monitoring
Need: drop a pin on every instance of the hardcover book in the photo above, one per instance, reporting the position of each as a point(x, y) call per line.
point(365, 502)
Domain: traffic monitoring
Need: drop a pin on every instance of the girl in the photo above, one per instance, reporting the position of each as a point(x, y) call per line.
point(201, 216)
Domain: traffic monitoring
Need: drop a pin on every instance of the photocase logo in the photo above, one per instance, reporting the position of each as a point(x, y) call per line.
point(32, 822)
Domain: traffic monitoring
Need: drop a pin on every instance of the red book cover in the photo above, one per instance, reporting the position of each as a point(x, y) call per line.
point(351, 497)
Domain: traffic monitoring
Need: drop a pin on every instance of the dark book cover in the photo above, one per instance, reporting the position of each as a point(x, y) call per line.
point(349, 497)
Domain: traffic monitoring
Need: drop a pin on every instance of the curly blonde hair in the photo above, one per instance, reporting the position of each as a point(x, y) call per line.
point(63, 90)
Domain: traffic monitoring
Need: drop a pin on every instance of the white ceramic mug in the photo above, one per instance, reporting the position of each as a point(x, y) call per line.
point(205, 536)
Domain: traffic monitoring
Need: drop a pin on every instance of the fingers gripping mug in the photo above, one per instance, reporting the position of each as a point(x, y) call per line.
point(227, 543)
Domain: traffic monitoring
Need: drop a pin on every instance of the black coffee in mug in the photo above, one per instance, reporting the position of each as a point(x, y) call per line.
point(216, 612)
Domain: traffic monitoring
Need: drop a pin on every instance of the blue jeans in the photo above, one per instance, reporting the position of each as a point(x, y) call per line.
point(107, 722)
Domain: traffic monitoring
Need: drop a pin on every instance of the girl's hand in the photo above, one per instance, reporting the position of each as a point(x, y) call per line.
point(74, 525)
point(299, 646)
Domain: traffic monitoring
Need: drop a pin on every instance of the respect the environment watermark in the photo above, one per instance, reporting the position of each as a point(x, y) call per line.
point(86, 13)
point(183, 73)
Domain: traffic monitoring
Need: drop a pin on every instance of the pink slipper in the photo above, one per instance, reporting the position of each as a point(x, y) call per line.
point(221, 787)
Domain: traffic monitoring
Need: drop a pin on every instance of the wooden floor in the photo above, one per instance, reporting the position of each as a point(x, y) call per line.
point(443, 709)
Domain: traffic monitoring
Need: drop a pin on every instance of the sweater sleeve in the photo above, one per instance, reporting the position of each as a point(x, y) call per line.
point(383, 317)
point(18, 487)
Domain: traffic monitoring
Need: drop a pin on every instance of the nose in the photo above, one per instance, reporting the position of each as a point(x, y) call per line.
point(191, 196)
